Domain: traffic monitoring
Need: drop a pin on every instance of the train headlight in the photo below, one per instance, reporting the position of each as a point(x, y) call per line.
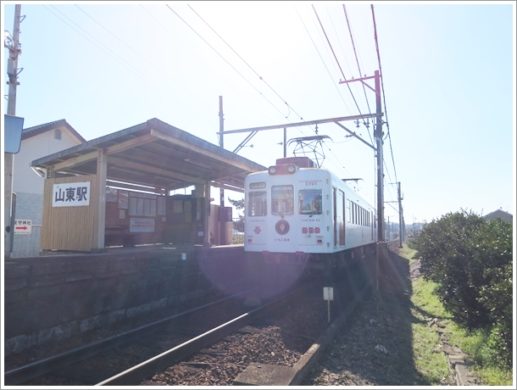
point(272, 170)
point(291, 169)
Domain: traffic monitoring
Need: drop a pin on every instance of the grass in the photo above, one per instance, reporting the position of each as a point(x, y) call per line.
point(429, 360)
point(407, 253)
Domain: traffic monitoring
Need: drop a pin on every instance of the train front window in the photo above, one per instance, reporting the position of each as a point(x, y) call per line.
point(257, 204)
point(282, 200)
point(309, 201)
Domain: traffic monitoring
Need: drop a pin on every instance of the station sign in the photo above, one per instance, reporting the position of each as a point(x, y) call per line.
point(71, 194)
point(23, 226)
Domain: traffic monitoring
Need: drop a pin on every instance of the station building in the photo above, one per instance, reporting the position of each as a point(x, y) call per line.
point(116, 190)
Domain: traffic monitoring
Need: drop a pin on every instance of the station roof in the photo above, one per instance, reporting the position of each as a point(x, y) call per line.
point(156, 154)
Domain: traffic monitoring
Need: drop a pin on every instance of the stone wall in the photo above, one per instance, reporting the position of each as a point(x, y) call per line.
point(52, 298)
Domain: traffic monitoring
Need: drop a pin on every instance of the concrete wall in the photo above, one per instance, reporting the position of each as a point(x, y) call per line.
point(48, 299)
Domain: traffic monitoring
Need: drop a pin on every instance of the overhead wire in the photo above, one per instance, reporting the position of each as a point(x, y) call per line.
point(72, 24)
point(323, 61)
point(382, 87)
point(358, 68)
point(107, 30)
point(336, 59)
point(245, 62)
point(356, 57)
point(224, 59)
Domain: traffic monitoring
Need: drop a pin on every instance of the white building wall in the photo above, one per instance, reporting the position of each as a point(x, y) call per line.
point(28, 186)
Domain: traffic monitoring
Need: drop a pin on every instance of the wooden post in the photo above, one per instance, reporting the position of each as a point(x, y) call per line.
point(102, 171)
point(206, 227)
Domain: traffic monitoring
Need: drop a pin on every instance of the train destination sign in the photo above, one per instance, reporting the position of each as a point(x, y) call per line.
point(71, 194)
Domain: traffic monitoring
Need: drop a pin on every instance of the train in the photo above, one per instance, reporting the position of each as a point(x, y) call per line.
point(295, 208)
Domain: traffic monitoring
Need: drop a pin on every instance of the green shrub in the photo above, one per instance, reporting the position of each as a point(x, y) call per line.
point(471, 260)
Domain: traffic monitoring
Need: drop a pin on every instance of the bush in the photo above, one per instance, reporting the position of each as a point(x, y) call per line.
point(445, 248)
point(471, 260)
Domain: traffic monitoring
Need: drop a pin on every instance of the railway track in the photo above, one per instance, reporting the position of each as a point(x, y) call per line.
point(46, 369)
point(150, 351)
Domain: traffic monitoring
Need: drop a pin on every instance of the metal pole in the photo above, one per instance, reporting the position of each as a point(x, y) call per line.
point(380, 159)
point(222, 221)
point(12, 73)
point(285, 142)
point(221, 143)
point(401, 227)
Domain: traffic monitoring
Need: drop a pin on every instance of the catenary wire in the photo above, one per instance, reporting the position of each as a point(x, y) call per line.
point(356, 57)
point(337, 60)
point(108, 30)
point(68, 21)
point(382, 86)
point(224, 59)
point(245, 62)
point(323, 61)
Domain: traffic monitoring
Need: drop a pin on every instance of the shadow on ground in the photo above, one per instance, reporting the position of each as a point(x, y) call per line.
point(376, 347)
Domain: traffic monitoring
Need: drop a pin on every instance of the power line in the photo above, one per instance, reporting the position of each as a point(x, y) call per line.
point(246, 62)
point(107, 30)
point(382, 86)
point(68, 21)
point(356, 57)
point(323, 62)
point(335, 57)
point(223, 58)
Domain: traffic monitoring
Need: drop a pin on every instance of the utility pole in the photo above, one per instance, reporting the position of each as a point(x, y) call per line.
point(222, 215)
point(401, 217)
point(12, 73)
point(380, 168)
point(221, 143)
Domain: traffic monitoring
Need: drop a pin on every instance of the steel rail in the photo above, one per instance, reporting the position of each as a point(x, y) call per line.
point(29, 371)
point(187, 348)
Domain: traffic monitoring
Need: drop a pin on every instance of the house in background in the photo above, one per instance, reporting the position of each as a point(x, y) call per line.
point(37, 141)
point(499, 214)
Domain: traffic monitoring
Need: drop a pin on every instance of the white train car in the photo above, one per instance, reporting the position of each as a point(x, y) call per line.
point(294, 207)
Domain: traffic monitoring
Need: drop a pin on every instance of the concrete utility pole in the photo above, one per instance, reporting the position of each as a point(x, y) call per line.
point(401, 217)
point(380, 159)
point(14, 47)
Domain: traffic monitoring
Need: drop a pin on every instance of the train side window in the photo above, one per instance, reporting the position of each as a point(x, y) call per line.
point(282, 200)
point(257, 204)
point(309, 201)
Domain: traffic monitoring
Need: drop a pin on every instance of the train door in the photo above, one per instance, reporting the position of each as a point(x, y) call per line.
point(339, 221)
point(334, 220)
point(372, 219)
point(283, 228)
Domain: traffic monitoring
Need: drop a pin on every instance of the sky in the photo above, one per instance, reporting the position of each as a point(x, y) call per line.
point(448, 73)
